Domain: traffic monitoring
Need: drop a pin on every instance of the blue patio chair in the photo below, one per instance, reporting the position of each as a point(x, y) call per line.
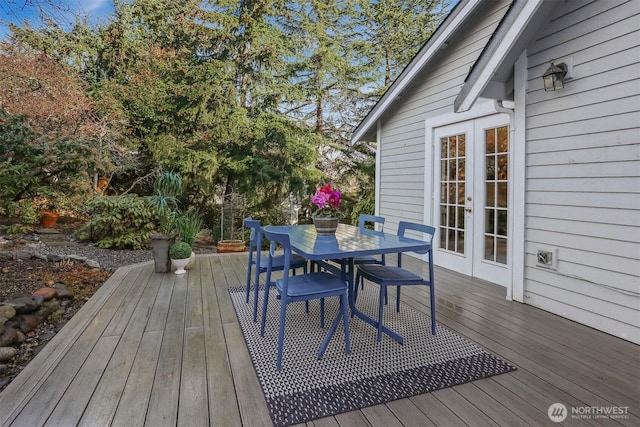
point(260, 264)
point(385, 275)
point(305, 287)
point(363, 221)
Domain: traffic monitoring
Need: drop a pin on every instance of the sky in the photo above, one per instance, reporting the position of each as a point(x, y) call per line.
point(16, 11)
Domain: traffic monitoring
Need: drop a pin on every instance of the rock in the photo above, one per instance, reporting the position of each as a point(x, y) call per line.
point(77, 258)
point(46, 293)
point(63, 292)
point(40, 256)
point(92, 263)
point(9, 337)
point(24, 304)
point(60, 286)
point(6, 313)
point(28, 322)
point(20, 254)
point(7, 353)
point(52, 305)
point(4, 381)
point(54, 258)
point(65, 295)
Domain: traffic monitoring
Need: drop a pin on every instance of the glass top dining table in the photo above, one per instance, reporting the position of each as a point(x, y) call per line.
point(349, 242)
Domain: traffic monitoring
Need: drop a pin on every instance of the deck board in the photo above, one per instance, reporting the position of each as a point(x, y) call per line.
point(158, 350)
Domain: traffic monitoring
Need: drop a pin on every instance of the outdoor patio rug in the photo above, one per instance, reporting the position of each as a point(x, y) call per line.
point(375, 372)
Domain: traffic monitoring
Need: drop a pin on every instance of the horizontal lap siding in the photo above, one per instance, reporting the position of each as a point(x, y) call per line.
point(402, 195)
point(583, 168)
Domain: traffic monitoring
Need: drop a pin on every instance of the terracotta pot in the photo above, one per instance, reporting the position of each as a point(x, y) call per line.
point(231, 246)
point(48, 219)
point(325, 226)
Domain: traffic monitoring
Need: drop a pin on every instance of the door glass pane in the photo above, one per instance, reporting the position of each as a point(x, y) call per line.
point(452, 198)
point(496, 200)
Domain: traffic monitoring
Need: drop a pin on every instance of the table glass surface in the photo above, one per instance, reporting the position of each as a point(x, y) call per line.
point(348, 242)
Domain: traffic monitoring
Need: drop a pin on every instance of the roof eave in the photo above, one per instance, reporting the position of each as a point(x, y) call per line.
point(510, 39)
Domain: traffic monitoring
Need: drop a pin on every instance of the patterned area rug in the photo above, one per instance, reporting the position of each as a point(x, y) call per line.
point(375, 372)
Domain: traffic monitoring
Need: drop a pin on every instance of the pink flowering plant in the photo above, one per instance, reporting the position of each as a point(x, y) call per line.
point(327, 200)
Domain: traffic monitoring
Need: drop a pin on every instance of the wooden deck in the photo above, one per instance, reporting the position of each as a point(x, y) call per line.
point(160, 350)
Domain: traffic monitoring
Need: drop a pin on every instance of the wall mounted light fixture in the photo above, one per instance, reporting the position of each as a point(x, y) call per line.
point(554, 76)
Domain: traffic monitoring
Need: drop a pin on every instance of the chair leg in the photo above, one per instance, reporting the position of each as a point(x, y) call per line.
point(283, 317)
point(264, 308)
point(381, 298)
point(355, 287)
point(321, 312)
point(248, 279)
point(255, 294)
point(344, 316)
point(432, 295)
point(398, 299)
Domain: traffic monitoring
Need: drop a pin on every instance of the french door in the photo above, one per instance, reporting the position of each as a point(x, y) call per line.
point(471, 176)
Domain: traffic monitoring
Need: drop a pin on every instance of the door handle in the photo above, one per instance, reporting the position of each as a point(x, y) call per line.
point(467, 209)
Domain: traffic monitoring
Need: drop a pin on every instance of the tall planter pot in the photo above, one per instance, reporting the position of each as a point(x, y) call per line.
point(160, 244)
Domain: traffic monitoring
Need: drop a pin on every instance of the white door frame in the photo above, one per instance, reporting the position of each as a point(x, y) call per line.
point(483, 108)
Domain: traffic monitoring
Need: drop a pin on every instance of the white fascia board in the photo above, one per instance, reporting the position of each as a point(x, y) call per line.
point(423, 57)
point(473, 88)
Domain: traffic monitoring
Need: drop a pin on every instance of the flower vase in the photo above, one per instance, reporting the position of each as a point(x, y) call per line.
point(325, 226)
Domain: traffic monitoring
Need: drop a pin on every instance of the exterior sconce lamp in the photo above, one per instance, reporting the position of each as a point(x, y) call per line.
point(554, 76)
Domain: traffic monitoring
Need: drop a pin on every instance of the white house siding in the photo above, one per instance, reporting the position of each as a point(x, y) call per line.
point(401, 194)
point(583, 167)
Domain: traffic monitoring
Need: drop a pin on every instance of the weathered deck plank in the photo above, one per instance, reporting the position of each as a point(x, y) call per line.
point(159, 349)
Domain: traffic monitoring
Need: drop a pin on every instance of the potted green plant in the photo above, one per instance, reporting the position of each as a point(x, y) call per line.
point(179, 252)
point(188, 224)
point(166, 189)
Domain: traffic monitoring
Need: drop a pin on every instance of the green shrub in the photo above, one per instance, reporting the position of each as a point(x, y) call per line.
point(180, 250)
point(188, 224)
point(118, 222)
point(166, 189)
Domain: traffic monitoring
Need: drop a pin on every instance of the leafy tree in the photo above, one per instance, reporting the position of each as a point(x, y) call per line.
point(253, 96)
point(393, 31)
point(42, 164)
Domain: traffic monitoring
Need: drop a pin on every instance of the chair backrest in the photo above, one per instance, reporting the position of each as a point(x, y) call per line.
point(364, 220)
point(282, 239)
point(255, 239)
point(428, 230)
